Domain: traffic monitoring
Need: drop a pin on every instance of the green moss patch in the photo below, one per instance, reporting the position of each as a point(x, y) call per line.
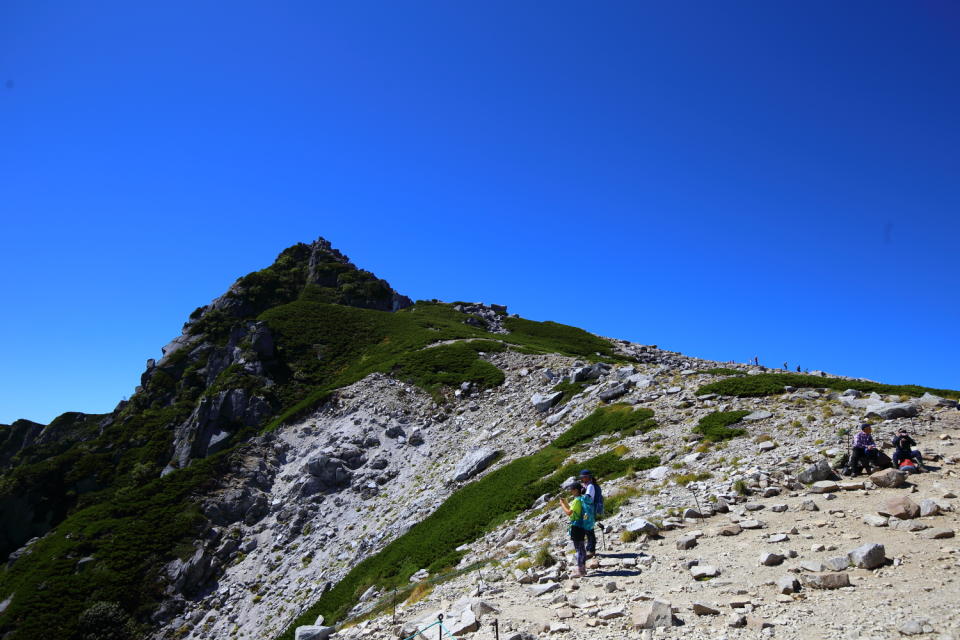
point(616, 418)
point(716, 426)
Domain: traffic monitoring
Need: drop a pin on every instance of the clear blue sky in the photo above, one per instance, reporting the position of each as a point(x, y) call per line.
point(725, 179)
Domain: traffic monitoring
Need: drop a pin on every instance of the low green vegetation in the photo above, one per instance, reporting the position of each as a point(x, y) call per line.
point(722, 371)
point(715, 426)
point(463, 517)
point(766, 384)
point(686, 478)
point(616, 418)
point(569, 389)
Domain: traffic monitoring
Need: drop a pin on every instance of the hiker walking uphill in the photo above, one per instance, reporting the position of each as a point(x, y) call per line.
point(592, 490)
point(580, 512)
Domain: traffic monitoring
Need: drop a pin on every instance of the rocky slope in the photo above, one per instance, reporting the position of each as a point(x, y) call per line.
point(314, 442)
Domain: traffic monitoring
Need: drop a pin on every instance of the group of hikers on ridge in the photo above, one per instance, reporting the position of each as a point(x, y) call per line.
point(586, 503)
point(866, 455)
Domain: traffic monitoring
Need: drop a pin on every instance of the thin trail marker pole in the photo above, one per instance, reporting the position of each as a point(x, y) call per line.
point(440, 626)
point(394, 606)
point(496, 629)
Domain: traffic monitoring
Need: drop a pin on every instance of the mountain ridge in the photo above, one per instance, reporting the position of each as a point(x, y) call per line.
point(312, 383)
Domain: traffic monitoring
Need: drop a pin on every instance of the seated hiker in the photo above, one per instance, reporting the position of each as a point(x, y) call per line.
point(903, 445)
point(864, 452)
point(592, 490)
point(580, 511)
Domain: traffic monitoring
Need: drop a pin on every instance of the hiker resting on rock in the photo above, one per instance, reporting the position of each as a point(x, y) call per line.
point(864, 451)
point(903, 445)
point(580, 511)
point(592, 490)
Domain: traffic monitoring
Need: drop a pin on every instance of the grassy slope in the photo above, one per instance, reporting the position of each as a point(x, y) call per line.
point(767, 384)
point(476, 508)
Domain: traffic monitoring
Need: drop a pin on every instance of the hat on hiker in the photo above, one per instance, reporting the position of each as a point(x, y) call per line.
point(865, 426)
point(586, 472)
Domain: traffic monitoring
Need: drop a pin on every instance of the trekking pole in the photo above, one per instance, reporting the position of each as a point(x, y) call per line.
point(394, 605)
point(603, 537)
point(496, 629)
point(699, 512)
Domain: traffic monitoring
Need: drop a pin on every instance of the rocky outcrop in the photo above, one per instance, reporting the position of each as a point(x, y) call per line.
point(216, 418)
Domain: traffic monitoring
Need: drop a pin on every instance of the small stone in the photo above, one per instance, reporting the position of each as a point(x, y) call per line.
point(824, 486)
point(812, 565)
point(900, 507)
point(929, 507)
point(874, 520)
point(610, 614)
point(751, 524)
point(868, 556)
point(778, 537)
point(730, 530)
point(686, 542)
point(888, 478)
point(702, 609)
point(825, 580)
point(837, 563)
point(702, 571)
point(787, 585)
point(937, 534)
point(809, 505)
point(652, 614)
point(778, 508)
point(771, 559)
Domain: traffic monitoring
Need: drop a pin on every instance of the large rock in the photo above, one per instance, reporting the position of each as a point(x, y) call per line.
point(818, 471)
point(900, 507)
point(892, 410)
point(312, 632)
point(888, 478)
point(652, 614)
point(929, 400)
point(937, 534)
point(771, 559)
point(613, 393)
point(328, 471)
point(473, 463)
point(757, 415)
point(929, 507)
point(543, 401)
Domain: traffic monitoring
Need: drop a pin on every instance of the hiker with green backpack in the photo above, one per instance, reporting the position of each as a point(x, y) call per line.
point(592, 490)
point(580, 512)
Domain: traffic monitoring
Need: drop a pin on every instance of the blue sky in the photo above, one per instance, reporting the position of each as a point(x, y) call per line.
point(722, 179)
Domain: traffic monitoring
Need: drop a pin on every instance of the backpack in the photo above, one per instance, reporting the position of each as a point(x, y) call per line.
point(586, 520)
point(908, 466)
point(597, 501)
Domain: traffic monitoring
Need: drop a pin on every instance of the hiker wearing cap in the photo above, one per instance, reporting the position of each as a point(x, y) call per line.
point(580, 512)
point(592, 490)
point(864, 451)
point(903, 449)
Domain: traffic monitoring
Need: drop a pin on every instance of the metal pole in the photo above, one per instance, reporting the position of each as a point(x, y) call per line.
point(496, 629)
point(440, 626)
point(394, 606)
